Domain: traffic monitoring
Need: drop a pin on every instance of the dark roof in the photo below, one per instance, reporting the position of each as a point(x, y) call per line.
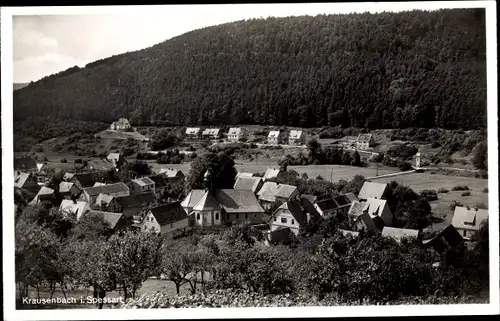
point(159, 180)
point(448, 234)
point(342, 200)
point(110, 217)
point(326, 204)
point(168, 213)
point(238, 201)
point(107, 189)
point(310, 198)
point(138, 200)
point(90, 178)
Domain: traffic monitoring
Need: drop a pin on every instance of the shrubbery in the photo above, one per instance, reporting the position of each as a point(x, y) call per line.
point(460, 188)
point(465, 193)
point(443, 190)
point(429, 195)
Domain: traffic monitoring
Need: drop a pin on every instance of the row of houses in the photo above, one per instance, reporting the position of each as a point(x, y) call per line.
point(236, 134)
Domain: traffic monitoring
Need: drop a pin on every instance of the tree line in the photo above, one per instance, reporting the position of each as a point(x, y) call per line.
point(384, 70)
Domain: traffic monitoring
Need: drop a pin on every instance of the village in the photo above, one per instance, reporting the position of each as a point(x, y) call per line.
point(278, 210)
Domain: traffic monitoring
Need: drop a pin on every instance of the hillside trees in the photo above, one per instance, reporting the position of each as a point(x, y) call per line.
point(384, 70)
point(221, 169)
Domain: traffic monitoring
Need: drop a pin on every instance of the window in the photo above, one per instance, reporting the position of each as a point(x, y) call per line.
point(293, 221)
point(198, 216)
point(216, 216)
point(283, 220)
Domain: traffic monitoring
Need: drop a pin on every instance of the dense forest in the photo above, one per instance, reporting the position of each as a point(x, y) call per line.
point(388, 70)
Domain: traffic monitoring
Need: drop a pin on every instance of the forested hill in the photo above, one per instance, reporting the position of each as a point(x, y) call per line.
point(386, 70)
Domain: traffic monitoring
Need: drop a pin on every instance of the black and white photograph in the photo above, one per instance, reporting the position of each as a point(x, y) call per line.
point(301, 160)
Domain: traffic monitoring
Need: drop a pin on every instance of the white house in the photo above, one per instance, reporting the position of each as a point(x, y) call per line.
point(235, 134)
point(77, 208)
point(467, 221)
point(372, 190)
point(293, 214)
point(143, 185)
point(121, 124)
point(211, 133)
point(165, 219)
point(275, 137)
point(193, 133)
point(296, 137)
point(365, 141)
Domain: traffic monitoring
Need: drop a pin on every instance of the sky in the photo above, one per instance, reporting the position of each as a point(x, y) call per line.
point(59, 38)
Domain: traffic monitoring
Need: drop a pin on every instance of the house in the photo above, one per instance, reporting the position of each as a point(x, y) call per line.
point(331, 205)
point(69, 190)
point(172, 175)
point(272, 173)
point(292, 214)
point(192, 199)
point(296, 137)
point(467, 221)
point(143, 185)
point(121, 124)
point(116, 221)
point(211, 133)
point(371, 215)
point(161, 185)
point(165, 219)
point(275, 137)
point(286, 192)
point(193, 133)
point(73, 207)
point(116, 159)
point(44, 194)
point(25, 180)
point(349, 141)
point(445, 239)
point(267, 195)
point(236, 134)
point(398, 234)
point(365, 141)
point(372, 190)
point(90, 194)
point(68, 176)
point(253, 184)
point(239, 206)
point(130, 206)
point(25, 163)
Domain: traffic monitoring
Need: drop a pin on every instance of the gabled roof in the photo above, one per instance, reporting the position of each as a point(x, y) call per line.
point(327, 204)
point(110, 217)
point(310, 198)
point(73, 207)
point(295, 209)
point(374, 206)
point(138, 200)
point(238, 201)
point(20, 179)
point(235, 131)
point(114, 156)
point(106, 189)
point(193, 198)
point(243, 174)
point(295, 134)
point(122, 122)
point(285, 191)
point(168, 213)
point(271, 173)
point(268, 192)
point(248, 183)
point(273, 134)
point(373, 190)
point(351, 197)
point(68, 176)
point(65, 187)
point(469, 218)
point(207, 202)
point(159, 181)
point(449, 234)
point(356, 208)
point(211, 131)
point(103, 198)
point(399, 233)
point(99, 184)
point(192, 130)
point(171, 172)
point(90, 178)
point(143, 181)
point(364, 138)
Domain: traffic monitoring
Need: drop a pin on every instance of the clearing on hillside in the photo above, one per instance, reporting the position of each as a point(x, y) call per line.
point(112, 134)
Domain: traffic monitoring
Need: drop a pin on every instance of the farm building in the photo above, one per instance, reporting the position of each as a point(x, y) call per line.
point(275, 137)
point(211, 133)
point(121, 124)
point(165, 219)
point(296, 137)
point(77, 208)
point(253, 184)
point(236, 134)
point(193, 133)
point(398, 234)
point(143, 185)
point(467, 221)
point(372, 190)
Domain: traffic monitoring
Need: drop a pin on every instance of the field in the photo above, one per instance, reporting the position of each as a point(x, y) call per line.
point(110, 134)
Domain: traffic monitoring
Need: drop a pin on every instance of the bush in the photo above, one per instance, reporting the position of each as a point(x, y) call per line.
point(64, 160)
point(429, 194)
point(404, 166)
point(485, 190)
point(443, 190)
point(78, 161)
point(481, 205)
point(435, 144)
point(455, 204)
point(460, 188)
point(193, 155)
point(466, 193)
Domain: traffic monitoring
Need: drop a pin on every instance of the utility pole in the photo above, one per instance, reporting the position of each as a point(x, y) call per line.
point(377, 170)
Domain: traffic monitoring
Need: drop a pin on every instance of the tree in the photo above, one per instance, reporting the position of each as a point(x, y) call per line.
point(137, 168)
point(136, 256)
point(480, 158)
point(356, 159)
point(354, 185)
point(221, 169)
point(92, 226)
point(178, 264)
